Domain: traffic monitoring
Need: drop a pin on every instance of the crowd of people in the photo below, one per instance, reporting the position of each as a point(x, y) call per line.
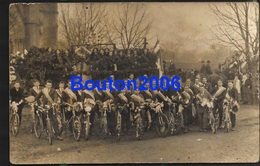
point(188, 102)
point(238, 69)
point(203, 92)
point(46, 63)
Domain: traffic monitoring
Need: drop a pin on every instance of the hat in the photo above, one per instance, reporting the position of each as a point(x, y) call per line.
point(203, 61)
point(208, 61)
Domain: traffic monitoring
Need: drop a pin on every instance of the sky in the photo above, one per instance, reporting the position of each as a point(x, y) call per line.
point(174, 22)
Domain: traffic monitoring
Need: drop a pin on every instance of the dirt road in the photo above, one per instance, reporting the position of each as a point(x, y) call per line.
point(241, 145)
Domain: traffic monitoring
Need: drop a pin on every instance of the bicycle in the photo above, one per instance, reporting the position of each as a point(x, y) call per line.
point(85, 118)
point(38, 123)
point(227, 108)
point(213, 120)
point(14, 118)
point(160, 119)
point(75, 120)
point(119, 121)
point(103, 126)
point(49, 126)
point(138, 121)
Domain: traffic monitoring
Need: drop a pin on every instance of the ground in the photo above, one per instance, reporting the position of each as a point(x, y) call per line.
point(241, 145)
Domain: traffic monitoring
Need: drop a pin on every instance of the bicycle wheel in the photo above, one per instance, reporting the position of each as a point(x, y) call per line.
point(87, 127)
point(171, 123)
point(38, 126)
point(57, 125)
point(119, 126)
point(76, 127)
point(15, 122)
point(162, 125)
point(138, 127)
point(49, 131)
point(178, 123)
point(105, 128)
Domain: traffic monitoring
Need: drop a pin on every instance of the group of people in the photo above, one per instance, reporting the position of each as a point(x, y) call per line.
point(189, 100)
point(238, 68)
point(46, 63)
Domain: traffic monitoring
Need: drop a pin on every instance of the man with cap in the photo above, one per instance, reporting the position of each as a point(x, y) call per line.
point(203, 67)
point(208, 70)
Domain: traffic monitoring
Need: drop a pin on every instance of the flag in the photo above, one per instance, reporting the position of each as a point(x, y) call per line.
point(157, 46)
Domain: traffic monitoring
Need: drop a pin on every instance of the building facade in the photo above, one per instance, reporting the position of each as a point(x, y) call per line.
point(32, 25)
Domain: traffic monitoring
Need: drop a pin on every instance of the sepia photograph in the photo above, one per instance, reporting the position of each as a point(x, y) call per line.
point(134, 82)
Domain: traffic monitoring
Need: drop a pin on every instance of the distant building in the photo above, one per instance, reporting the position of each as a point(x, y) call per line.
point(33, 25)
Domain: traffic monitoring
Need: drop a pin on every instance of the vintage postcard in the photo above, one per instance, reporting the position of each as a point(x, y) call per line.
point(134, 82)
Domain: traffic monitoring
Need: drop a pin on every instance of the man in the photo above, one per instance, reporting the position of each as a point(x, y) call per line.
point(34, 91)
point(187, 96)
point(88, 98)
point(60, 92)
point(196, 86)
point(111, 116)
point(49, 97)
point(203, 67)
point(218, 97)
point(232, 96)
point(188, 82)
point(17, 96)
point(121, 101)
point(208, 70)
point(204, 98)
point(206, 84)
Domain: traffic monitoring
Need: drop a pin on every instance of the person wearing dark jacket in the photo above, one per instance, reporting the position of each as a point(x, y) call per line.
point(232, 95)
point(218, 95)
point(187, 96)
point(208, 70)
point(49, 97)
point(17, 96)
point(34, 91)
point(203, 68)
point(206, 84)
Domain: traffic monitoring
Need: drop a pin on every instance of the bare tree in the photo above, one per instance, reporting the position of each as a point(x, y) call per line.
point(238, 26)
point(131, 25)
point(79, 21)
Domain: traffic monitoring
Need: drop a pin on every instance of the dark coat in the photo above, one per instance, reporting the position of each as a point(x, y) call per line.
point(45, 101)
point(221, 97)
point(233, 93)
point(208, 86)
point(15, 95)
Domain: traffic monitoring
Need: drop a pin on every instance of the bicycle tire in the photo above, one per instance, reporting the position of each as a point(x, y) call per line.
point(119, 125)
point(87, 128)
point(139, 127)
point(164, 123)
point(49, 131)
point(38, 123)
point(76, 128)
point(171, 123)
point(58, 128)
point(15, 123)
